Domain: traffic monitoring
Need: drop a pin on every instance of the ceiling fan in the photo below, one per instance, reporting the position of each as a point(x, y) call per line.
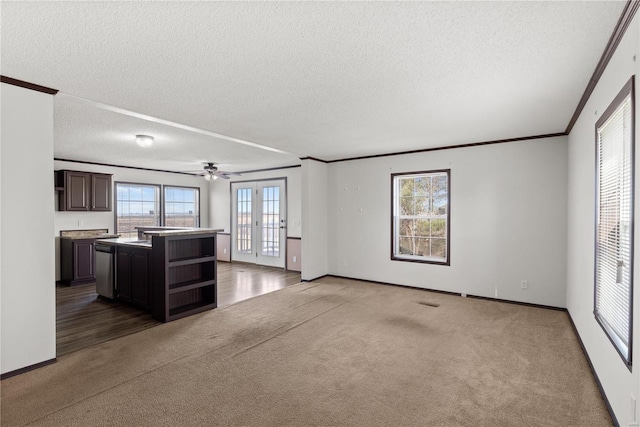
point(211, 172)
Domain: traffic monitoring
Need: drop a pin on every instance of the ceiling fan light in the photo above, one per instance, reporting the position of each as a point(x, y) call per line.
point(144, 140)
point(215, 177)
point(208, 177)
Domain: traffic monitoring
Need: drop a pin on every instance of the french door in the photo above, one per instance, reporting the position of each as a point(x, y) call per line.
point(258, 222)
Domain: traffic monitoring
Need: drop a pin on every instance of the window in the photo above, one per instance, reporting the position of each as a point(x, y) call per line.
point(420, 216)
point(136, 205)
point(181, 207)
point(614, 221)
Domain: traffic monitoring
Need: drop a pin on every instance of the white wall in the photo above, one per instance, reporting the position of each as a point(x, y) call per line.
point(315, 226)
point(27, 285)
point(508, 220)
point(618, 383)
point(220, 202)
point(90, 220)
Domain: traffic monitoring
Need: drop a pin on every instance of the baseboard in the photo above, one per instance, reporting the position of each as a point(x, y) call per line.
point(316, 278)
point(391, 284)
point(27, 369)
point(593, 371)
point(529, 304)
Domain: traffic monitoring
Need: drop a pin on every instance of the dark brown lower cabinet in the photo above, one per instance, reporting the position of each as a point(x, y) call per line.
point(77, 261)
point(133, 276)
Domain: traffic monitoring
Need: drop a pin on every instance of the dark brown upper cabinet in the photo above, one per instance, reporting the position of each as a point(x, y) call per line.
point(100, 192)
point(83, 191)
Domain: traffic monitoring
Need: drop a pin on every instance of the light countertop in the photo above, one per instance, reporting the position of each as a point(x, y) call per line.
point(88, 236)
point(98, 233)
point(183, 231)
point(145, 244)
point(166, 232)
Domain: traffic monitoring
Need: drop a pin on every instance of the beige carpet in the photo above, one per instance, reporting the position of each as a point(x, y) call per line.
point(331, 352)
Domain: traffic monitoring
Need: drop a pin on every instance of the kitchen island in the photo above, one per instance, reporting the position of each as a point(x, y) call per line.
point(170, 272)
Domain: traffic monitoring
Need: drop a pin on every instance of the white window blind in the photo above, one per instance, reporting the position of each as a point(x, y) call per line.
point(614, 239)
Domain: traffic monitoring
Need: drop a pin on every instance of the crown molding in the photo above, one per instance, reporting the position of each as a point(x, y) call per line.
point(448, 147)
point(28, 85)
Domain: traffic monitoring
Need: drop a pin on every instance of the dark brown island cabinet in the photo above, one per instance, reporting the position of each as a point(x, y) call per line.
point(77, 261)
point(133, 275)
point(185, 275)
point(83, 191)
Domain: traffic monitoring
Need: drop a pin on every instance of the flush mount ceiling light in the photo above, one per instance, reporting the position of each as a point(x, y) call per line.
point(144, 140)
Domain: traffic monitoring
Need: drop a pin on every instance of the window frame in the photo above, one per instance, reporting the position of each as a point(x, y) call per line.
point(627, 90)
point(164, 201)
point(115, 208)
point(394, 256)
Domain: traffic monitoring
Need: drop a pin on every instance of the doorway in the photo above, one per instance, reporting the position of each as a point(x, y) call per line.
point(258, 222)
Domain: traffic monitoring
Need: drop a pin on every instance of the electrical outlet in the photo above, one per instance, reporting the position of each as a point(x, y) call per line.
point(80, 223)
point(463, 295)
point(295, 258)
point(524, 284)
point(224, 250)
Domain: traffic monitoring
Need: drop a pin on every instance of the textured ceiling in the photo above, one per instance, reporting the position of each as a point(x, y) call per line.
point(322, 79)
point(85, 132)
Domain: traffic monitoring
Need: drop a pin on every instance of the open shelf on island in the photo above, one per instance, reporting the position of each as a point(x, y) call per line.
point(188, 280)
point(191, 284)
point(195, 247)
point(191, 260)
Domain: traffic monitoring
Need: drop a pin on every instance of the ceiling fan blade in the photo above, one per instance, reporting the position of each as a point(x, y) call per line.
point(228, 173)
point(212, 170)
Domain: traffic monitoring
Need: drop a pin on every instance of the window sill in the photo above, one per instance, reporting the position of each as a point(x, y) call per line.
point(621, 348)
point(421, 260)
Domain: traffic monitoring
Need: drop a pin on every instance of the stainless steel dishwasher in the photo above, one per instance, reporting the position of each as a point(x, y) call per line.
point(105, 270)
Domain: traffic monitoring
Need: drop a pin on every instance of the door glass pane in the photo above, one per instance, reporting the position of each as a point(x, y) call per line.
point(244, 220)
point(270, 221)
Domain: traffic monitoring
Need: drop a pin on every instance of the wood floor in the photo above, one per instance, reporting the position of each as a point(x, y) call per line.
point(83, 319)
